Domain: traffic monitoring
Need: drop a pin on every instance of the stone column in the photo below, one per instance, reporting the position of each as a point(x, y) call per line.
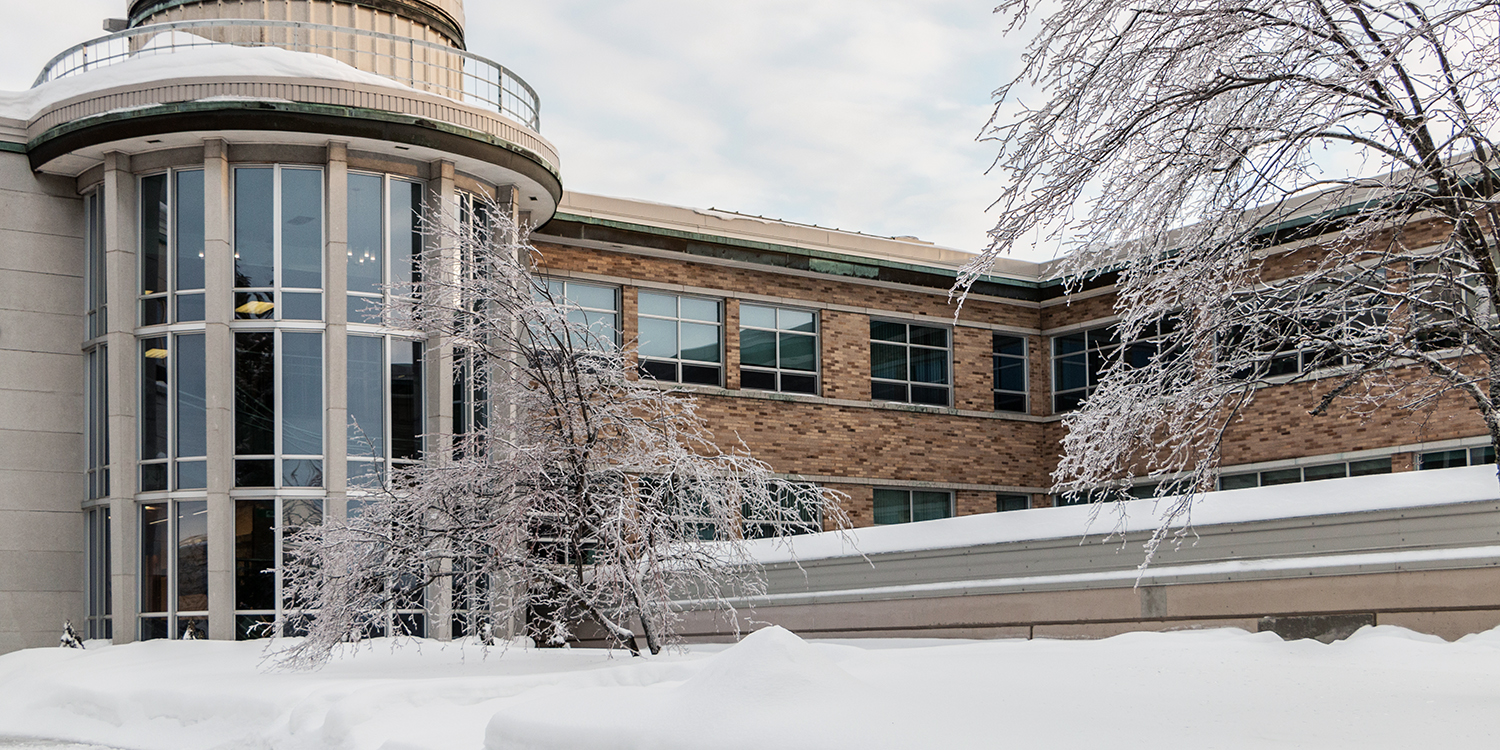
point(218, 282)
point(440, 212)
point(121, 275)
point(335, 286)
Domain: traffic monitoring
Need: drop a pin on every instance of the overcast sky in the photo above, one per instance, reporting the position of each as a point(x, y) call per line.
point(860, 116)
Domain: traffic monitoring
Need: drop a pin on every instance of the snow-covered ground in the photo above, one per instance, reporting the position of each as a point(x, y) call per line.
point(1382, 688)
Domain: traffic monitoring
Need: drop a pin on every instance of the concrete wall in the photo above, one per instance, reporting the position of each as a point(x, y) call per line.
point(41, 405)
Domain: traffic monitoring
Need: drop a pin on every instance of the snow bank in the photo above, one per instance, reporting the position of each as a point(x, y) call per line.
point(153, 63)
point(1383, 688)
point(1326, 497)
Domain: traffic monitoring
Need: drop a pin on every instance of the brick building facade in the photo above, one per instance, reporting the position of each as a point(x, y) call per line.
point(982, 456)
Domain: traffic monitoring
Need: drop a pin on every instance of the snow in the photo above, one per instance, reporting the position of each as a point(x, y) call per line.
point(1326, 497)
point(1384, 687)
point(206, 61)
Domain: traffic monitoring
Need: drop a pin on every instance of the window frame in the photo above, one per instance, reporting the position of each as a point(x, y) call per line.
point(678, 362)
point(907, 384)
point(776, 372)
point(372, 301)
point(1025, 361)
point(952, 509)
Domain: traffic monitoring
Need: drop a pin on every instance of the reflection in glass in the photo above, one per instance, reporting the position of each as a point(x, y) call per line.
point(758, 348)
point(302, 228)
point(155, 548)
point(892, 506)
point(254, 554)
point(192, 475)
point(192, 555)
point(658, 338)
point(700, 342)
point(192, 421)
point(189, 225)
point(254, 227)
point(365, 241)
point(406, 230)
point(302, 393)
point(189, 308)
point(301, 306)
point(153, 416)
point(366, 396)
point(301, 472)
point(406, 399)
point(797, 352)
point(254, 393)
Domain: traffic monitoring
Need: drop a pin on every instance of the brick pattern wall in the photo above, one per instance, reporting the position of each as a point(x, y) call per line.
point(846, 355)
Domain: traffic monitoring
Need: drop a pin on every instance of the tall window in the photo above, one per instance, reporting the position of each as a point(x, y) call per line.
point(778, 349)
point(909, 362)
point(94, 268)
point(385, 405)
point(96, 420)
point(172, 414)
point(259, 550)
point(278, 243)
point(278, 401)
point(681, 338)
point(1010, 373)
point(99, 587)
point(905, 506)
point(171, 247)
point(174, 569)
point(385, 241)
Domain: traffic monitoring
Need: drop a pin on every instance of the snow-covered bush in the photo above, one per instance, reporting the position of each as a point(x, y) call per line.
point(583, 493)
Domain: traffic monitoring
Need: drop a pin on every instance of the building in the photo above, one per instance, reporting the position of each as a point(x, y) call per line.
point(202, 208)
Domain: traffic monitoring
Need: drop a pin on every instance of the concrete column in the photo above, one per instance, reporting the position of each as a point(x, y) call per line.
point(335, 285)
point(441, 212)
point(120, 294)
point(218, 281)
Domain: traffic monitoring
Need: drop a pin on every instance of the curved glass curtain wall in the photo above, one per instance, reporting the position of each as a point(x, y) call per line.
point(279, 371)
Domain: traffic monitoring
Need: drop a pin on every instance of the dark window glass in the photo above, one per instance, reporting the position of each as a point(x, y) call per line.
point(254, 227)
point(192, 421)
point(1004, 502)
point(1280, 476)
point(758, 348)
point(366, 394)
point(153, 477)
point(1445, 459)
point(155, 552)
point(799, 383)
point(758, 380)
point(302, 393)
point(154, 233)
point(259, 472)
point(927, 506)
point(254, 393)
point(888, 362)
point(154, 395)
point(254, 554)
point(892, 506)
point(1328, 471)
point(254, 305)
point(302, 228)
point(881, 330)
point(301, 472)
point(1238, 481)
point(1479, 456)
point(154, 311)
point(665, 371)
point(406, 399)
point(929, 366)
point(1371, 466)
point(887, 391)
point(189, 225)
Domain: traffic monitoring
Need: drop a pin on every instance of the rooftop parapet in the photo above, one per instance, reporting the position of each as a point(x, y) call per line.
point(422, 65)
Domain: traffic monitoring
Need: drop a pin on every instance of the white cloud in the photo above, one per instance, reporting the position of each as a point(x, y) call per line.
point(855, 115)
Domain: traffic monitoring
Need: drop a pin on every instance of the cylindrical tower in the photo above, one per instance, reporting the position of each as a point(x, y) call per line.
point(235, 207)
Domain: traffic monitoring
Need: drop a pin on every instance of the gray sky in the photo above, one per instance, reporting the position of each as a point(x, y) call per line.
point(859, 116)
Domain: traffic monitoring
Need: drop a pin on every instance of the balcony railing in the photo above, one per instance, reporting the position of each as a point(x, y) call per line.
point(425, 66)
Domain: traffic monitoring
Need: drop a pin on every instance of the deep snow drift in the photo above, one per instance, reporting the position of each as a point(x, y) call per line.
point(1383, 688)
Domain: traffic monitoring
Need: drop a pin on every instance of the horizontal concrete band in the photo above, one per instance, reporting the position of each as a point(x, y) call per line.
point(356, 96)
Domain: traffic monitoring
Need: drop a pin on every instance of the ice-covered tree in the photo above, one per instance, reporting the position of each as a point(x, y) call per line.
point(1285, 186)
point(579, 491)
point(70, 638)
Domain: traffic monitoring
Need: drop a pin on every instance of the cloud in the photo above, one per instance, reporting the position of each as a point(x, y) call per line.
point(860, 116)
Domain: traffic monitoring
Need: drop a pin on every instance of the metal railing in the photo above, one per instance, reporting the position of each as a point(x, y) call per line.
point(422, 65)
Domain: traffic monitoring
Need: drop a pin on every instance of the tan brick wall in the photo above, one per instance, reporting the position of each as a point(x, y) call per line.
point(973, 369)
point(845, 342)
